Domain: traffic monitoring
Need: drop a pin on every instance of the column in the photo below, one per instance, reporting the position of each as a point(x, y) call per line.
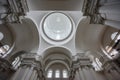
point(6, 70)
point(111, 70)
point(82, 76)
point(29, 69)
point(77, 75)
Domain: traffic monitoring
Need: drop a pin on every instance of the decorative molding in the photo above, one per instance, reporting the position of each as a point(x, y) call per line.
point(79, 61)
point(90, 8)
point(13, 11)
point(6, 69)
point(31, 68)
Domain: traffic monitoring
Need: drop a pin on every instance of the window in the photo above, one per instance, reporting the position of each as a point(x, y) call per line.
point(65, 74)
point(108, 48)
point(57, 74)
point(113, 48)
point(16, 63)
point(57, 71)
point(57, 26)
point(49, 74)
point(114, 52)
point(3, 50)
point(115, 36)
point(97, 64)
point(111, 52)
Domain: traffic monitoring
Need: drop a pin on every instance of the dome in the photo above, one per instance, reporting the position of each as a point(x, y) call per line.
point(57, 26)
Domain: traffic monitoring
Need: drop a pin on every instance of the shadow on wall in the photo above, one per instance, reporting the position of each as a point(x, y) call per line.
point(26, 36)
point(88, 36)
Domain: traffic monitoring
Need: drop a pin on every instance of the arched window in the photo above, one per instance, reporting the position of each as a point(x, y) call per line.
point(57, 71)
point(115, 36)
point(57, 74)
point(113, 48)
point(65, 73)
point(3, 50)
point(16, 63)
point(49, 73)
point(97, 64)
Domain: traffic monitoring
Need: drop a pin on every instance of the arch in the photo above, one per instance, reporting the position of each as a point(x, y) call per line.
point(25, 33)
point(57, 55)
point(56, 61)
point(8, 38)
point(62, 50)
point(78, 40)
point(108, 41)
point(88, 36)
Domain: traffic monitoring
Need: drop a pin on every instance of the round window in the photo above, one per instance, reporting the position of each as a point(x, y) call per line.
point(57, 26)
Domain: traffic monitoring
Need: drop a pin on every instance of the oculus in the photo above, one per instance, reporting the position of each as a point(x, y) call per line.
point(57, 26)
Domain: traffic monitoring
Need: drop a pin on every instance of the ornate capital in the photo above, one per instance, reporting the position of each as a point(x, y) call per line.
point(91, 8)
point(12, 11)
point(32, 60)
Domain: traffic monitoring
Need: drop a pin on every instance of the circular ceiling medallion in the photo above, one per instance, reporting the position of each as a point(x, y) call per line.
point(57, 26)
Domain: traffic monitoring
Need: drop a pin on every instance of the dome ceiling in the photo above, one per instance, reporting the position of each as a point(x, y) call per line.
point(57, 26)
